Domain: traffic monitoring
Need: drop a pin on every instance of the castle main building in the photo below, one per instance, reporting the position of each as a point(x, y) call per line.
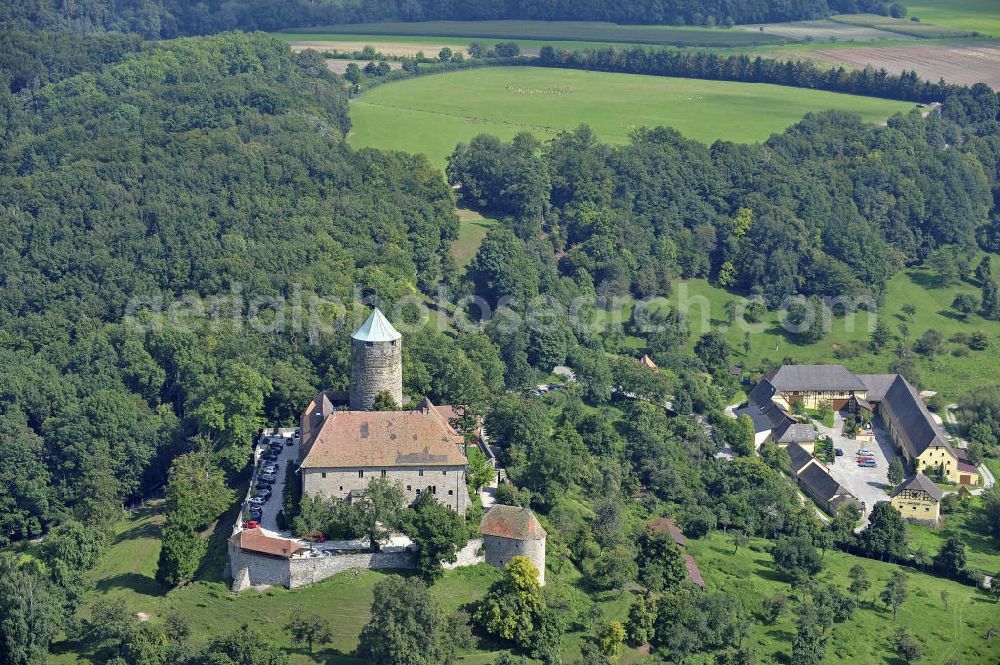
point(343, 450)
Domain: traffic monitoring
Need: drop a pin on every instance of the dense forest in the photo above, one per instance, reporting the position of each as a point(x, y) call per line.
point(831, 206)
point(171, 18)
point(190, 168)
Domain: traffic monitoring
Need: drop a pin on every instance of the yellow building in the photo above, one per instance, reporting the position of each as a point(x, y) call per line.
point(918, 499)
point(922, 442)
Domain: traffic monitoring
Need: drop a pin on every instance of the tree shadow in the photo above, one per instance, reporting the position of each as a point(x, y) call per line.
point(953, 315)
point(151, 530)
point(141, 584)
point(924, 279)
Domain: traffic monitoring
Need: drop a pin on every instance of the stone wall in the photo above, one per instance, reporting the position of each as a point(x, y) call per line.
point(375, 367)
point(448, 482)
point(469, 555)
point(250, 569)
point(309, 570)
point(499, 552)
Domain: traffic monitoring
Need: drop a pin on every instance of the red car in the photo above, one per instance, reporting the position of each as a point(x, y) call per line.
point(252, 524)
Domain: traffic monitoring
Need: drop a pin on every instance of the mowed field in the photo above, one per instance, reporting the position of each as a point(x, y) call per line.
point(980, 15)
point(974, 62)
point(432, 114)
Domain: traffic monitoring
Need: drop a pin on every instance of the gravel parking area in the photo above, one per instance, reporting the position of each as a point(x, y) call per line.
point(869, 485)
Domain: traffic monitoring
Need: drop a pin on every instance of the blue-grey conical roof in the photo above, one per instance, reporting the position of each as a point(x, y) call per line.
point(376, 329)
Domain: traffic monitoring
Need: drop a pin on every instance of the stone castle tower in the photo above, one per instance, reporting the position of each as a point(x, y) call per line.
point(376, 362)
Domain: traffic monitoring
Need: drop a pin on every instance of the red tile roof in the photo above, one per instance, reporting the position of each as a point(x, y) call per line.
point(693, 573)
point(511, 522)
point(669, 527)
point(254, 540)
point(352, 439)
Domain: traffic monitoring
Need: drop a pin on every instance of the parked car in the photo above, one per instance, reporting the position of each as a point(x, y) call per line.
point(839, 452)
point(251, 524)
point(263, 492)
point(871, 464)
point(864, 451)
point(256, 514)
point(269, 478)
point(270, 467)
point(262, 484)
point(257, 500)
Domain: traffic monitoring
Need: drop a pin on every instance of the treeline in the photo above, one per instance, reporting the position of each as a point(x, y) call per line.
point(171, 18)
point(798, 73)
point(830, 207)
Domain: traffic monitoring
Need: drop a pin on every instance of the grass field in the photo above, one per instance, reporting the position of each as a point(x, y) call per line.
point(952, 375)
point(432, 114)
point(957, 631)
point(559, 31)
point(127, 571)
point(472, 230)
point(128, 568)
point(979, 15)
point(901, 26)
point(982, 552)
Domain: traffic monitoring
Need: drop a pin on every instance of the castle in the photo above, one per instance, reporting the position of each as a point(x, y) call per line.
point(342, 451)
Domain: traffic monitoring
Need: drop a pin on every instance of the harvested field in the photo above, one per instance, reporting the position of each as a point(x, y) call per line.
point(955, 63)
point(340, 66)
point(388, 48)
point(823, 30)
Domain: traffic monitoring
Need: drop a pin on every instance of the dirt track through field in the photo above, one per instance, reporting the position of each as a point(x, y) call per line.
point(957, 63)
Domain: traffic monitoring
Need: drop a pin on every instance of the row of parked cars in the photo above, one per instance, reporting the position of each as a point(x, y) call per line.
point(866, 459)
point(267, 476)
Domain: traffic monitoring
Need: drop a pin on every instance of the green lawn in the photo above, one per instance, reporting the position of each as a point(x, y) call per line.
point(557, 31)
point(951, 375)
point(472, 230)
point(128, 568)
point(955, 632)
point(979, 15)
point(983, 552)
point(431, 114)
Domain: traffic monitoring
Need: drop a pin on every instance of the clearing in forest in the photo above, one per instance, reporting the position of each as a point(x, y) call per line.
point(432, 114)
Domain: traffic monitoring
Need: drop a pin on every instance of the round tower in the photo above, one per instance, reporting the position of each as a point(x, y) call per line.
point(376, 362)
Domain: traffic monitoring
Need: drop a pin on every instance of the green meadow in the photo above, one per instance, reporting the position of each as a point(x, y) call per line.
point(471, 231)
point(954, 373)
point(431, 114)
point(127, 570)
point(978, 15)
point(957, 630)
